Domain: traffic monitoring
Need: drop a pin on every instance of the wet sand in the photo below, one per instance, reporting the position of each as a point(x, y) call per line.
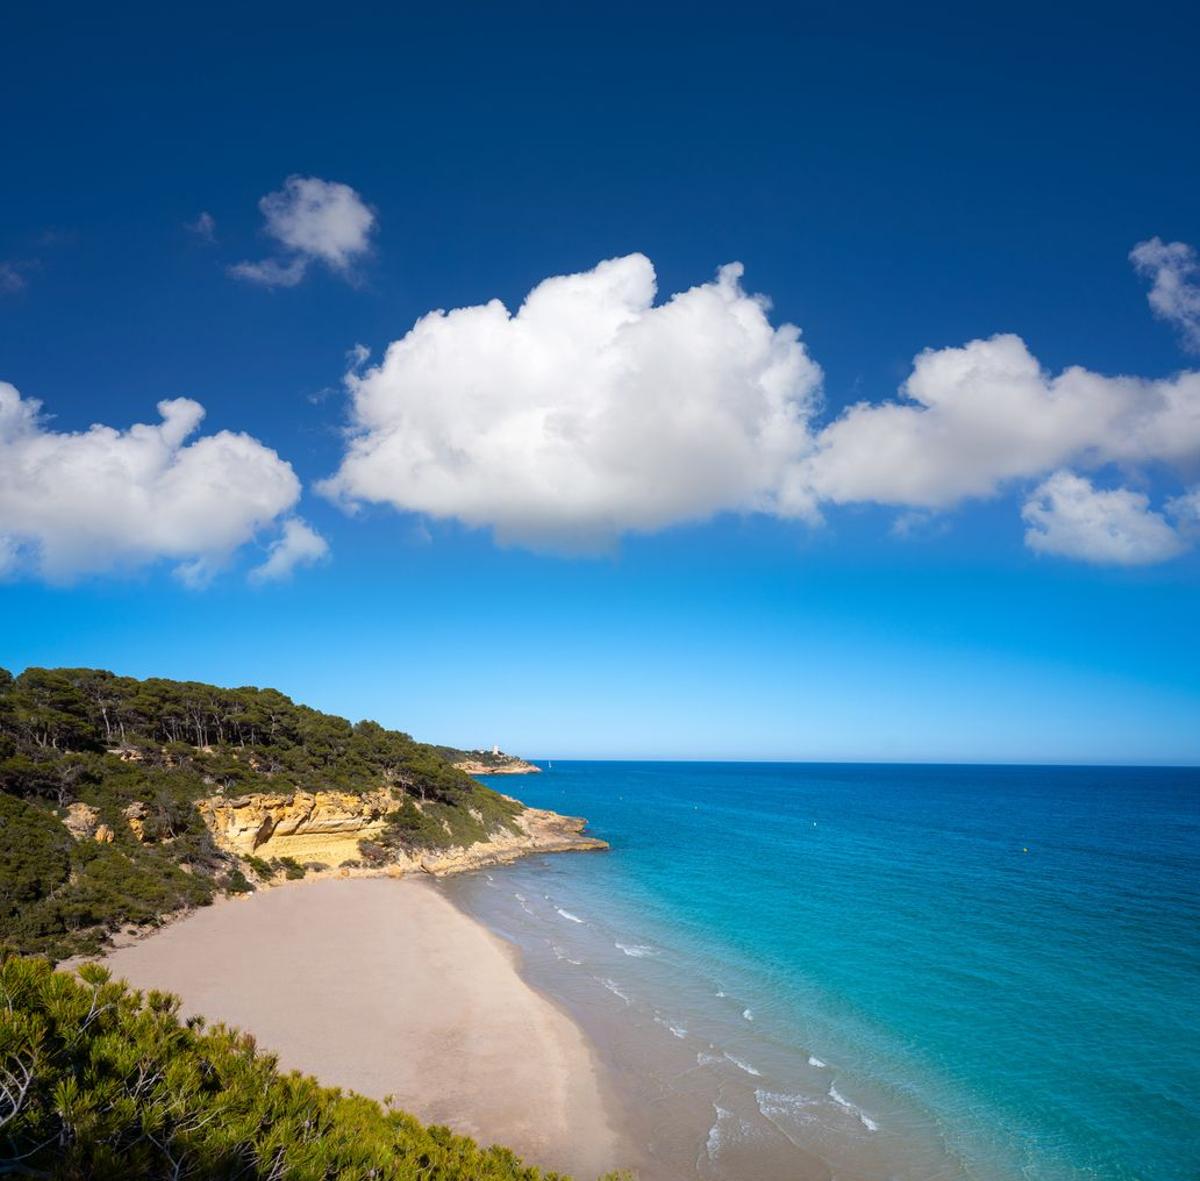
point(386, 988)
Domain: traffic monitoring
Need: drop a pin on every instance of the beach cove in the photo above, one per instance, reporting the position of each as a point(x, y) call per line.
point(383, 987)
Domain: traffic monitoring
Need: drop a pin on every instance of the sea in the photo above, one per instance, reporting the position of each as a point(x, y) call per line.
point(885, 973)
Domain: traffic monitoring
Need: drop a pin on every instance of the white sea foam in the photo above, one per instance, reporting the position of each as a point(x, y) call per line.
point(726, 1127)
point(775, 1104)
point(721, 992)
point(748, 1014)
point(704, 1059)
point(637, 950)
point(615, 989)
point(678, 1030)
point(715, 1137)
point(562, 955)
point(742, 1065)
point(841, 1100)
point(523, 904)
point(566, 914)
point(786, 1111)
point(813, 1060)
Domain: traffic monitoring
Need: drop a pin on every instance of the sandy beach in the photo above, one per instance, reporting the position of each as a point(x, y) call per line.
point(384, 987)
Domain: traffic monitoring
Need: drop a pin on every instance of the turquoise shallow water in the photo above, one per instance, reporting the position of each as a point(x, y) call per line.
point(907, 971)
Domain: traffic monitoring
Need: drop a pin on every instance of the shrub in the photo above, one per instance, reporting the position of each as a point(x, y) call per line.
point(292, 869)
point(261, 869)
point(236, 882)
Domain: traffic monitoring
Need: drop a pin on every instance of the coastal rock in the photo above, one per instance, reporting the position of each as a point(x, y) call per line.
point(103, 834)
point(323, 826)
point(505, 765)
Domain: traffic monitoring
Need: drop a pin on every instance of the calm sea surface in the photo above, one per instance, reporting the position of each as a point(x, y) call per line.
point(878, 972)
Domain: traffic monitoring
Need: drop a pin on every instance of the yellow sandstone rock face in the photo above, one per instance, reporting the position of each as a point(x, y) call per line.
point(135, 816)
point(81, 820)
point(323, 826)
point(326, 827)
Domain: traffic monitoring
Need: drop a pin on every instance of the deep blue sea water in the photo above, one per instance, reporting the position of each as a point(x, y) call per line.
point(904, 971)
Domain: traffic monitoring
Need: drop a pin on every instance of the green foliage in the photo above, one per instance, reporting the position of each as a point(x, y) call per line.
point(109, 887)
point(292, 869)
point(487, 758)
point(410, 825)
point(141, 754)
point(101, 1083)
point(35, 855)
point(236, 882)
point(436, 825)
point(261, 869)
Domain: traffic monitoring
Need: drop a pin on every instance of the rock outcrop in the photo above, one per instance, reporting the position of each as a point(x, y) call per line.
point(506, 765)
point(325, 828)
point(81, 820)
point(136, 816)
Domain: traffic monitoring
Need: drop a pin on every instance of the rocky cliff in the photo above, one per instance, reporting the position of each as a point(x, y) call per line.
point(325, 828)
point(502, 765)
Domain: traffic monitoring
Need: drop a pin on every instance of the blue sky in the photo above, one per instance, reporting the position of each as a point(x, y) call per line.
point(717, 569)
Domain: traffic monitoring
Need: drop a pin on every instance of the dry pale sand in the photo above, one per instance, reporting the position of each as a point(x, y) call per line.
point(386, 988)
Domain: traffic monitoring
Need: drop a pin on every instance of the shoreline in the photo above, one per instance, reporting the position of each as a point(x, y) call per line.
point(388, 988)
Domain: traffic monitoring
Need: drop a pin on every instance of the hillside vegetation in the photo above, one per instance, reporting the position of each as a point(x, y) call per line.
point(100, 1082)
point(100, 774)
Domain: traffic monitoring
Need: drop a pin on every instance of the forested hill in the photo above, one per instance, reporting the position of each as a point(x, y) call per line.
point(100, 775)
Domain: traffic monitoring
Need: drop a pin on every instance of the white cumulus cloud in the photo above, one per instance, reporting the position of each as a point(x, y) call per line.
point(1175, 291)
point(313, 220)
point(587, 413)
point(978, 416)
point(74, 503)
point(1067, 516)
point(591, 412)
point(298, 545)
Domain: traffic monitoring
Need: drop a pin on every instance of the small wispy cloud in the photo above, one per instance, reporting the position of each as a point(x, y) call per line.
point(12, 276)
point(271, 272)
point(1175, 294)
point(298, 545)
point(204, 227)
point(314, 221)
